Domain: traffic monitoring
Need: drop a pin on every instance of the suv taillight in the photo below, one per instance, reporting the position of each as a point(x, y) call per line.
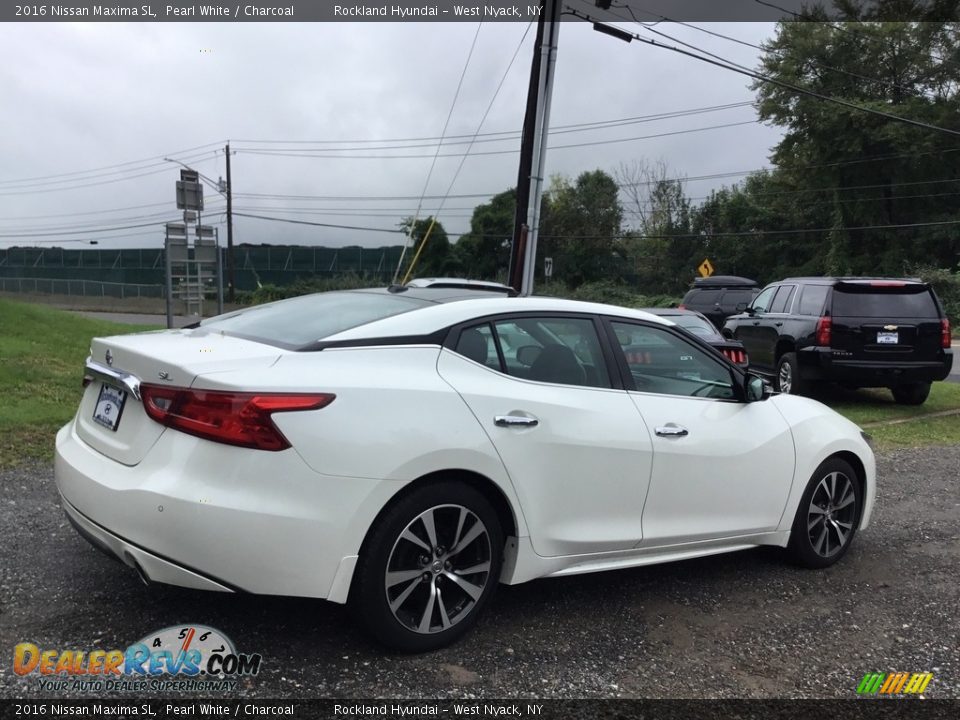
point(945, 333)
point(681, 306)
point(824, 331)
point(233, 418)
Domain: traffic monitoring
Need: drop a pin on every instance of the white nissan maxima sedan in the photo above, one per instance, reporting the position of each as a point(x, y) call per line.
point(407, 449)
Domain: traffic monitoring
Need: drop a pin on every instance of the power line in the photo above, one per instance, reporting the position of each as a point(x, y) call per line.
point(846, 27)
point(745, 43)
point(83, 181)
point(734, 67)
point(316, 224)
point(279, 153)
point(40, 188)
point(503, 135)
point(105, 167)
point(160, 216)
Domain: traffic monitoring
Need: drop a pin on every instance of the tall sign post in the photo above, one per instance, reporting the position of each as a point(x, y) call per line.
point(177, 243)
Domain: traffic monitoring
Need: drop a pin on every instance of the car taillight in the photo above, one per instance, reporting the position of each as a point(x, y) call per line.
point(945, 333)
point(824, 331)
point(681, 306)
point(736, 356)
point(234, 418)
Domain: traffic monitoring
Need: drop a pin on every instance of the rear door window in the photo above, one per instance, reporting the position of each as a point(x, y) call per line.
point(812, 299)
point(733, 298)
point(704, 298)
point(781, 302)
point(563, 350)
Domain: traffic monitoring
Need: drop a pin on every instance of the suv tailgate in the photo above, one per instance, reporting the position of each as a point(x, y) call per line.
point(886, 321)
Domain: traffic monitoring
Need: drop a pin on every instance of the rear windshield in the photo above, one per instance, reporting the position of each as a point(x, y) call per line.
point(701, 297)
point(910, 301)
point(694, 324)
point(302, 320)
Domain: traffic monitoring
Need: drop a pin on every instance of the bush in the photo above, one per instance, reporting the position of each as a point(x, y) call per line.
point(306, 286)
point(947, 286)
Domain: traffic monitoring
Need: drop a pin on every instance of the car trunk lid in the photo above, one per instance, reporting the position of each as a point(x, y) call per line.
point(111, 418)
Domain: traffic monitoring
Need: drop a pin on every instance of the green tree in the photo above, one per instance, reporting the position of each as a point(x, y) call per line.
point(484, 252)
point(435, 257)
point(580, 228)
point(861, 169)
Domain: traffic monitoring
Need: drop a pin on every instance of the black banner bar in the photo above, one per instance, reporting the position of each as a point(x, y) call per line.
point(854, 709)
point(627, 11)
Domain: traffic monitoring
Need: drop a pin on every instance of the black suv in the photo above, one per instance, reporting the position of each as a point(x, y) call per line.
point(719, 296)
point(860, 332)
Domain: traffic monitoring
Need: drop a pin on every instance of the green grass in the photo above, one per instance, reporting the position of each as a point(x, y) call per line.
point(41, 367)
point(877, 406)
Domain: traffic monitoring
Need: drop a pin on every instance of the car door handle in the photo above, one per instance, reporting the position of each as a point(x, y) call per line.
point(756, 322)
point(672, 430)
point(515, 421)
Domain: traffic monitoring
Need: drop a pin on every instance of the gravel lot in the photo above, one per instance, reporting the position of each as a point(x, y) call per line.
point(739, 625)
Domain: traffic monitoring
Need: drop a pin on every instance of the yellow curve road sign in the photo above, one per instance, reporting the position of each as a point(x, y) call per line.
point(706, 268)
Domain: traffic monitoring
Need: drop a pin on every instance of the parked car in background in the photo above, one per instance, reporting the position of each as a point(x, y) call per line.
point(860, 332)
point(719, 296)
point(697, 324)
point(408, 449)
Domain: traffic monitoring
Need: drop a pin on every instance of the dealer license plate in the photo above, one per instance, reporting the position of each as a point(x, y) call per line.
point(109, 407)
point(888, 338)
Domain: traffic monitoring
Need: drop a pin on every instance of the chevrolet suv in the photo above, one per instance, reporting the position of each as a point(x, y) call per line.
point(860, 332)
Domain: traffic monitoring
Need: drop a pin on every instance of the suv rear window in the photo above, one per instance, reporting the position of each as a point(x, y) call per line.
point(893, 302)
point(301, 320)
point(702, 297)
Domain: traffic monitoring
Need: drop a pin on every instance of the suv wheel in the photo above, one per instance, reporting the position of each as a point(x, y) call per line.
point(911, 393)
point(788, 375)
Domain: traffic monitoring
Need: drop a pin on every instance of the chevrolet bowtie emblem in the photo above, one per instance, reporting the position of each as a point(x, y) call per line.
point(890, 327)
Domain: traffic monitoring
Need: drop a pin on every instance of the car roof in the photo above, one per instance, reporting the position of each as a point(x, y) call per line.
point(445, 312)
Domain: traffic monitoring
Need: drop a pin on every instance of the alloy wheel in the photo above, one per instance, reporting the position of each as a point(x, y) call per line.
point(832, 514)
point(438, 569)
point(785, 377)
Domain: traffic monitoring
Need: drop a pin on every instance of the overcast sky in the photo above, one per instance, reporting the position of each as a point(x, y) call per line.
point(81, 97)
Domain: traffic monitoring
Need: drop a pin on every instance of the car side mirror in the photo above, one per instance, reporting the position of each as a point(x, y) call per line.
point(528, 354)
point(755, 388)
point(750, 310)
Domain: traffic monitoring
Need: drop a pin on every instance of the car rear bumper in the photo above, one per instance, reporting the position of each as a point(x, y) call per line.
point(820, 364)
point(207, 516)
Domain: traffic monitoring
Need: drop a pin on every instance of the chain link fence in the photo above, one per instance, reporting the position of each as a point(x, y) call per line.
point(79, 288)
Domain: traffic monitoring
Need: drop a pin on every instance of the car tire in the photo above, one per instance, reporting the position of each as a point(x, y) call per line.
point(911, 393)
point(410, 588)
point(828, 515)
point(788, 375)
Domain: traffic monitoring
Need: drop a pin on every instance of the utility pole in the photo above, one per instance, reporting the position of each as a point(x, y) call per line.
point(517, 247)
point(231, 288)
point(533, 150)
